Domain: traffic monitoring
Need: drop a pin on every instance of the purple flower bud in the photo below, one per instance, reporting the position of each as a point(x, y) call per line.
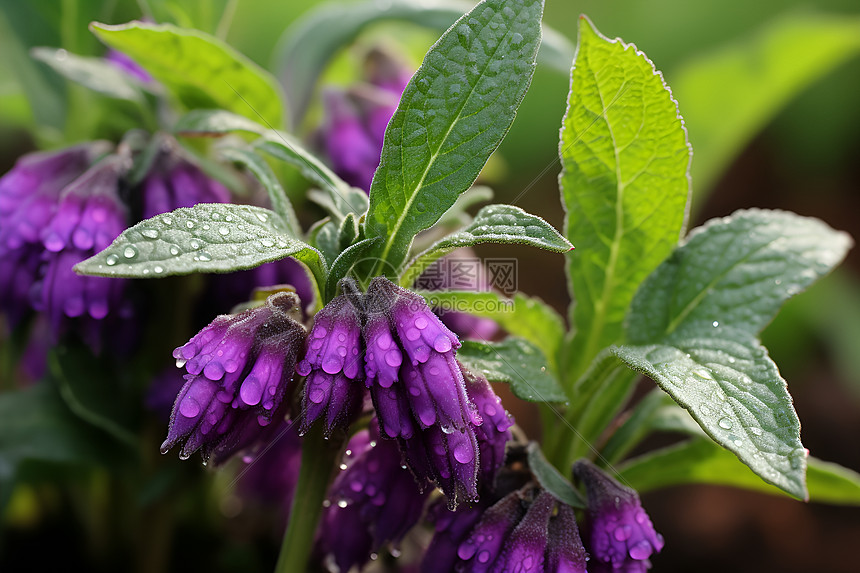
point(239, 369)
point(88, 218)
point(564, 552)
point(449, 460)
point(29, 194)
point(374, 501)
point(452, 528)
point(495, 431)
point(621, 533)
point(175, 182)
point(351, 148)
point(333, 364)
point(270, 476)
point(517, 533)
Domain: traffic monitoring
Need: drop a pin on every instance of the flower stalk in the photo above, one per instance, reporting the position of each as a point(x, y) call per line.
point(318, 458)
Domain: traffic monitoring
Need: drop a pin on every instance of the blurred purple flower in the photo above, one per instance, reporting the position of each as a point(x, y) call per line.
point(88, 217)
point(239, 372)
point(173, 182)
point(29, 195)
point(495, 431)
point(621, 534)
point(128, 65)
point(372, 502)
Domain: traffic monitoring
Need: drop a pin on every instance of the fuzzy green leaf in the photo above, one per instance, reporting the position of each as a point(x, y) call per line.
point(551, 479)
point(96, 74)
point(516, 362)
point(201, 70)
point(693, 325)
point(702, 461)
point(312, 41)
point(205, 238)
point(453, 114)
point(625, 185)
point(503, 224)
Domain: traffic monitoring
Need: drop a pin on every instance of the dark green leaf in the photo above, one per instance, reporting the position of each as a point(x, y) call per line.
point(324, 236)
point(451, 117)
point(277, 196)
point(91, 392)
point(693, 325)
point(309, 44)
point(702, 461)
point(344, 263)
point(516, 362)
point(205, 238)
point(735, 272)
point(504, 224)
point(551, 479)
point(526, 317)
point(201, 70)
point(625, 185)
point(96, 74)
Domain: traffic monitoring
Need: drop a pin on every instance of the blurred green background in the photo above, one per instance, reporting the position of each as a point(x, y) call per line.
point(770, 91)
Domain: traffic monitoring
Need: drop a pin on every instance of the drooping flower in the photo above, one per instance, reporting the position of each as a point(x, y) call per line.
point(621, 534)
point(495, 431)
point(173, 182)
point(418, 389)
point(239, 373)
point(528, 530)
point(29, 195)
point(372, 502)
point(87, 219)
point(333, 364)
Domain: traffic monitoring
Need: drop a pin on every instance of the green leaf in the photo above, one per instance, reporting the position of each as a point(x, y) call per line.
point(201, 70)
point(516, 362)
point(344, 263)
point(503, 224)
point(526, 317)
point(729, 94)
point(277, 196)
point(35, 424)
point(551, 479)
point(205, 238)
point(324, 236)
point(735, 272)
point(282, 146)
point(453, 114)
point(309, 44)
point(96, 74)
point(90, 391)
point(625, 185)
point(702, 461)
point(693, 325)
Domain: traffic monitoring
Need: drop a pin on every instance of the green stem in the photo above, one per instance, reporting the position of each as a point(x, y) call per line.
point(318, 459)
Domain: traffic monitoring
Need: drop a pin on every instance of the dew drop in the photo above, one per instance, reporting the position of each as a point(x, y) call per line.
point(342, 503)
point(755, 431)
point(224, 231)
point(725, 423)
point(150, 233)
point(195, 244)
point(189, 224)
point(516, 39)
point(166, 221)
point(174, 250)
point(263, 217)
point(129, 252)
point(267, 242)
point(716, 323)
point(228, 218)
point(204, 256)
point(463, 453)
point(111, 260)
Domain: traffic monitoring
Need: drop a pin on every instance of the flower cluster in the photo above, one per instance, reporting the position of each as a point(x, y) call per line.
point(621, 537)
point(239, 372)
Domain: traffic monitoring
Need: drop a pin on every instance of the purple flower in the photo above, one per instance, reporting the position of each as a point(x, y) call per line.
point(239, 372)
point(352, 150)
point(452, 528)
point(418, 389)
point(373, 501)
point(87, 219)
point(621, 534)
point(519, 533)
point(333, 365)
point(29, 194)
point(173, 182)
point(494, 432)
